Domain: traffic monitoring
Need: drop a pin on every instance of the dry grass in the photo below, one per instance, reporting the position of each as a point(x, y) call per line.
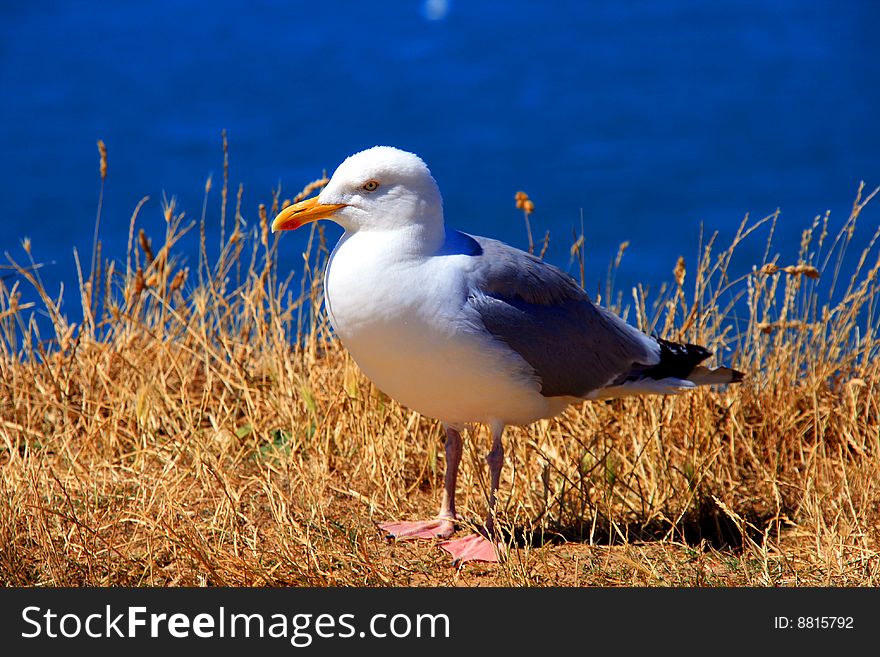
point(205, 428)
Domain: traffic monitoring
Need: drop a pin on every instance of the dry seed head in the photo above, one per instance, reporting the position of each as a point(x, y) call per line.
point(139, 284)
point(26, 245)
point(208, 185)
point(528, 206)
point(520, 198)
point(311, 187)
point(769, 327)
point(168, 210)
point(679, 271)
point(179, 279)
point(67, 337)
point(152, 280)
point(145, 245)
point(620, 251)
point(102, 149)
point(87, 297)
point(792, 270)
point(264, 225)
point(806, 237)
point(802, 270)
point(872, 274)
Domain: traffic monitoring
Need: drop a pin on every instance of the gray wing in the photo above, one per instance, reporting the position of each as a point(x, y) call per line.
point(540, 312)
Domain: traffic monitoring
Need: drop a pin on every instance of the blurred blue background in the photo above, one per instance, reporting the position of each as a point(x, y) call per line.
point(647, 117)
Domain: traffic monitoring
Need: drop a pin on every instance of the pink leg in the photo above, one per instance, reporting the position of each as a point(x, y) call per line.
point(484, 546)
point(443, 526)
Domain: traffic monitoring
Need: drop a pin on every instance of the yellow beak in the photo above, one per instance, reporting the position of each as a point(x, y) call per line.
point(298, 214)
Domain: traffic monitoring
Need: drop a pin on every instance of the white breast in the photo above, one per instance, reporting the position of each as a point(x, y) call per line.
point(400, 318)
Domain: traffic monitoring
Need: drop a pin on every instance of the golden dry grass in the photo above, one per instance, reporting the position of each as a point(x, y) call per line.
point(205, 428)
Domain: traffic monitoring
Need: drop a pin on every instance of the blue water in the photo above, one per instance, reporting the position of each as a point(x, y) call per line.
point(648, 118)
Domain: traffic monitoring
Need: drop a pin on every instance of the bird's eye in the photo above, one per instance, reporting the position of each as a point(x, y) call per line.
point(371, 186)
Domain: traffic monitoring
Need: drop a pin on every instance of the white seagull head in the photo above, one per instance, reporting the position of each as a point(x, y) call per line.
point(381, 188)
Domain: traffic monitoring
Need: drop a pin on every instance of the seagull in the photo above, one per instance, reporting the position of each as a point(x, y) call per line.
point(467, 329)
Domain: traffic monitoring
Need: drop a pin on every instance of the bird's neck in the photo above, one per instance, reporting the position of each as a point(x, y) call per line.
point(413, 239)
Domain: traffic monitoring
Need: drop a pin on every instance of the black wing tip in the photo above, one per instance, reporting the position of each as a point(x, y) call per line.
point(680, 349)
point(677, 360)
point(736, 376)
